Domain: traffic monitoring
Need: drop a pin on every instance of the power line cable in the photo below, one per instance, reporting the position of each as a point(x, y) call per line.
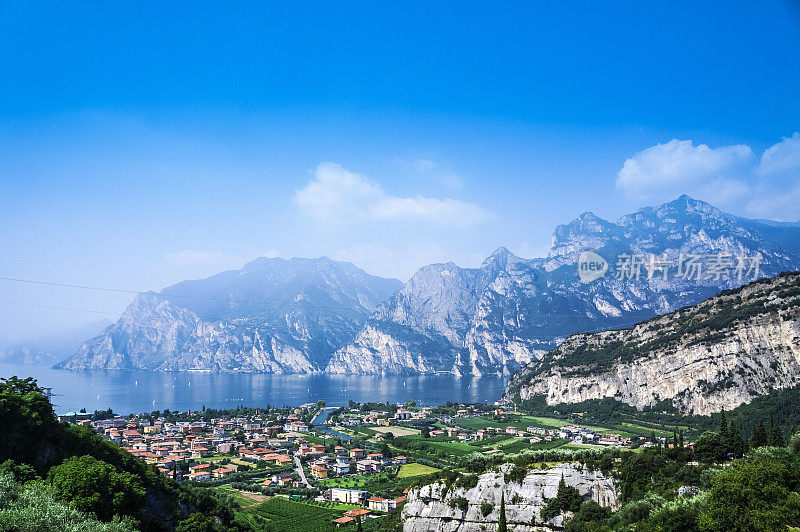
point(150, 293)
point(3, 301)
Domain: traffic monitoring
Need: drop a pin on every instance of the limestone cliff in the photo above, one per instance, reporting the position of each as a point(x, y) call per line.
point(429, 507)
point(719, 354)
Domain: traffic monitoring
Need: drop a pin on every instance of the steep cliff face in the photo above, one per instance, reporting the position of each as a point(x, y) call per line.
point(719, 354)
point(306, 315)
point(273, 316)
point(385, 348)
point(428, 508)
point(510, 311)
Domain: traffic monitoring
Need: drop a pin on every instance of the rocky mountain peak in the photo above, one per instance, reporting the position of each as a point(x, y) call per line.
point(319, 314)
point(501, 258)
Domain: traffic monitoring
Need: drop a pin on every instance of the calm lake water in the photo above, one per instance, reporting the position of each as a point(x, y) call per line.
point(139, 391)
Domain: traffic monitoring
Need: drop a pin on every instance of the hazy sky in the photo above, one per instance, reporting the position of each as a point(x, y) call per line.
point(145, 143)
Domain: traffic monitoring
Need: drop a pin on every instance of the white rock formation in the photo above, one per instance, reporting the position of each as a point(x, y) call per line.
point(428, 508)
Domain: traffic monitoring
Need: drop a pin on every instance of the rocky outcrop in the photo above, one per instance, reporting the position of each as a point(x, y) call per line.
point(309, 315)
point(429, 508)
point(511, 310)
point(719, 354)
point(273, 316)
point(381, 348)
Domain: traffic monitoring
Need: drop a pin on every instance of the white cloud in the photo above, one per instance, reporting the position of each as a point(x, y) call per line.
point(678, 165)
point(780, 204)
point(337, 195)
point(783, 157)
point(729, 177)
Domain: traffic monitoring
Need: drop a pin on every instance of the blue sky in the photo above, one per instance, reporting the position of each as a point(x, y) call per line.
point(141, 144)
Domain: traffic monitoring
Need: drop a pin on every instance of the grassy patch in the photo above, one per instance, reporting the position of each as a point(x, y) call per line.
point(414, 470)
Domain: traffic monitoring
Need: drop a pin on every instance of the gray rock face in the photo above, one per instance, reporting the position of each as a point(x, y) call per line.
point(719, 354)
point(308, 315)
point(273, 316)
point(510, 311)
point(428, 507)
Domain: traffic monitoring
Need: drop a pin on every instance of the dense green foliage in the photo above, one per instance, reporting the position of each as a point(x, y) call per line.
point(567, 499)
point(280, 514)
point(91, 475)
point(35, 507)
point(94, 486)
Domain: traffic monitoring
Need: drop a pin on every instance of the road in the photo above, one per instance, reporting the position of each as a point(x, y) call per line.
point(302, 473)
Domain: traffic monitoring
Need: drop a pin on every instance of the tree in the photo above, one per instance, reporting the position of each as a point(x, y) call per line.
point(567, 499)
point(95, 486)
point(723, 425)
point(751, 495)
point(709, 448)
point(359, 528)
point(734, 444)
point(27, 417)
point(590, 516)
point(200, 523)
point(502, 525)
point(759, 437)
point(775, 434)
point(22, 473)
point(425, 432)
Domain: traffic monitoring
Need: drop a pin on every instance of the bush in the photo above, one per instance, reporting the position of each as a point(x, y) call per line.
point(459, 502)
point(517, 474)
point(35, 507)
point(486, 508)
point(97, 487)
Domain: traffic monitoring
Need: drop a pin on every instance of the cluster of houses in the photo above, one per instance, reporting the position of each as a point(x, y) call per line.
point(383, 419)
point(178, 448)
point(574, 433)
point(362, 498)
point(345, 461)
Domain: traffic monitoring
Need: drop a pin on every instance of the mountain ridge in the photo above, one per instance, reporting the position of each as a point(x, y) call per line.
point(328, 316)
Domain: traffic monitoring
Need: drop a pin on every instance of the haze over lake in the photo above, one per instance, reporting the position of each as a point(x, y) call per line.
point(139, 391)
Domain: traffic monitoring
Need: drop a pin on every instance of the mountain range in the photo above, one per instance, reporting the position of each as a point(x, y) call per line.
point(320, 315)
point(51, 348)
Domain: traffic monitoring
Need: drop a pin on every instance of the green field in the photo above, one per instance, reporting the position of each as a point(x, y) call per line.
point(355, 481)
point(290, 516)
point(523, 421)
point(415, 470)
point(243, 500)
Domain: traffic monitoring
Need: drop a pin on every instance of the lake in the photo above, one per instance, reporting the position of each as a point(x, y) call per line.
point(144, 391)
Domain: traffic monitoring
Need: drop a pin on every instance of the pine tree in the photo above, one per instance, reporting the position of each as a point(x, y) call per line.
point(680, 438)
point(359, 528)
point(674, 438)
point(771, 429)
point(723, 426)
point(734, 443)
point(776, 436)
point(759, 437)
point(502, 526)
point(652, 436)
